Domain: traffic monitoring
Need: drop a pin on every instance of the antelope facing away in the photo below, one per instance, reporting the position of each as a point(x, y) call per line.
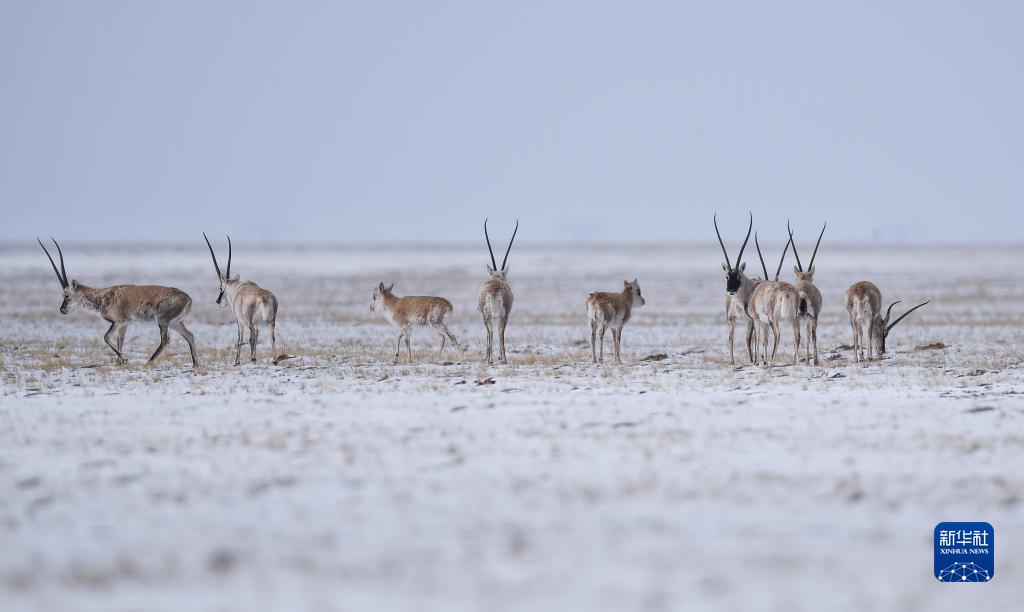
point(123, 304)
point(252, 305)
point(773, 304)
point(494, 299)
point(738, 289)
point(864, 303)
point(413, 311)
point(810, 298)
point(612, 310)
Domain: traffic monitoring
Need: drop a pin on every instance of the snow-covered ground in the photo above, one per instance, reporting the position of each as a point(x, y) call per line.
point(336, 481)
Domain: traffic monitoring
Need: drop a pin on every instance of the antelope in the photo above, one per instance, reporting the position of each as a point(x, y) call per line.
point(494, 299)
point(771, 304)
point(413, 311)
point(120, 305)
point(251, 304)
point(612, 310)
point(810, 298)
point(864, 303)
point(737, 292)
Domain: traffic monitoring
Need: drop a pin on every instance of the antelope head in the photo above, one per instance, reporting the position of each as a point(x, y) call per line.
point(798, 269)
point(734, 275)
point(378, 296)
point(69, 289)
point(223, 277)
point(884, 326)
point(493, 269)
point(633, 289)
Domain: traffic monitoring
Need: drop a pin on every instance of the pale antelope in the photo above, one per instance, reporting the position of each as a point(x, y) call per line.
point(738, 288)
point(123, 304)
point(413, 311)
point(810, 298)
point(494, 299)
point(864, 304)
point(772, 304)
point(252, 305)
point(612, 310)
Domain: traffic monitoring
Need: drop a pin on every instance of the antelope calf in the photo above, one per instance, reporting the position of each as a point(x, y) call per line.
point(612, 310)
point(123, 304)
point(738, 289)
point(494, 299)
point(773, 304)
point(252, 305)
point(413, 311)
point(810, 298)
point(864, 304)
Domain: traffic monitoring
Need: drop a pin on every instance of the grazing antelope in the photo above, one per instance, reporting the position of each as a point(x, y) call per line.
point(612, 310)
point(771, 304)
point(413, 311)
point(810, 298)
point(122, 304)
point(864, 303)
point(738, 288)
point(494, 299)
point(251, 304)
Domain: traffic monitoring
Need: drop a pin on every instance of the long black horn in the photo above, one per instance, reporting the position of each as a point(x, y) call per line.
point(210, 246)
point(793, 242)
point(739, 258)
point(494, 264)
point(893, 324)
point(229, 257)
point(63, 283)
point(815, 253)
point(779, 271)
point(761, 257)
point(509, 249)
point(889, 310)
point(724, 252)
point(60, 253)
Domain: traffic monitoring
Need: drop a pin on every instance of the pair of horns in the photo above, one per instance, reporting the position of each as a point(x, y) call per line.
point(62, 274)
point(889, 326)
point(494, 265)
point(813, 255)
point(739, 257)
point(228, 274)
point(765, 268)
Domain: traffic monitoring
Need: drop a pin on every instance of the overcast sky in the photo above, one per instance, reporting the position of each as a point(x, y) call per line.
point(384, 121)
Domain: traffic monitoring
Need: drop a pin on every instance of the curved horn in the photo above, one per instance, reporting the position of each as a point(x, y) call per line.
point(739, 257)
point(903, 316)
point(229, 257)
point(815, 253)
point(507, 251)
point(759, 256)
point(210, 246)
point(793, 242)
point(889, 310)
point(63, 282)
point(779, 271)
point(724, 252)
point(494, 265)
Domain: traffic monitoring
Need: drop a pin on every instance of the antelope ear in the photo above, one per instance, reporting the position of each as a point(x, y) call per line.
point(74, 284)
point(810, 271)
point(796, 270)
point(390, 287)
point(743, 266)
point(489, 270)
point(504, 272)
point(380, 287)
point(636, 283)
point(725, 267)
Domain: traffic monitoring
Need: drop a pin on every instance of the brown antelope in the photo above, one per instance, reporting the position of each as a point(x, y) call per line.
point(737, 293)
point(864, 303)
point(413, 311)
point(612, 310)
point(123, 304)
point(494, 299)
point(771, 304)
point(251, 304)
point(810, 298)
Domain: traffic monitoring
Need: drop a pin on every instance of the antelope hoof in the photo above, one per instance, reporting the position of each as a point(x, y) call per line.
point(237, 363)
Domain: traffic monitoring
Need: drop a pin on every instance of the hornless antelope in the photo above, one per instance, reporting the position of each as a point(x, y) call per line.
point(810, 297)
point(494, 299)
point(864, 303)
point(737, 293)
point(413, 311)
point(251, 304)
point(771, 304)
point(122, 304)
point(612, 310)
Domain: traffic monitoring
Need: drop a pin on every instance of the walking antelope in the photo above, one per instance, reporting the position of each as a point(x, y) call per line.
point(413, 311)
point(864, 303)
point(738, 288)
point(771, 304)
point(494, 299)
point(251, 304)
point(810, 298)
point(123, 304)
point(612, 310)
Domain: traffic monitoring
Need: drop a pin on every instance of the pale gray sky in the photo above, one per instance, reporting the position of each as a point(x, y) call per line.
point(377, 121)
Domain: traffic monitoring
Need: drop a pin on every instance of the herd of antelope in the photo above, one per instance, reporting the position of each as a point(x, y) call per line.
point(765, 305)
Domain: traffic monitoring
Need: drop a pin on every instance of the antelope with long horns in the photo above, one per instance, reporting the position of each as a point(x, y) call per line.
point(252, 305)
point(772, 304)
point(494, 299)
point(120, 305)
point(810, 298)
point(412, 311)
point(738, 288)
point(612, 310)
point(864, 304)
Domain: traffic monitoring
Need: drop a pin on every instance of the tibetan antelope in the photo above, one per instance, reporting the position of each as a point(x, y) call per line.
point(123, 304)
point(494, 299)
point(251, 304)
point(864, 303)
point(772, 304)
point(738, 288)
point(612, 310)
point(810, 298)
point(413, 311)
